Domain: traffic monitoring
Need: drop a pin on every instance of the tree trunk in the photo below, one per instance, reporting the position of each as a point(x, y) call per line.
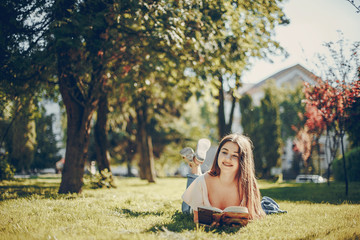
point(78, 135)
point(318, 152)
point(100, 133)
point(128, 164)
point(130, 149)
point(231, 116)
point(146, 163)
point(221, 111)
point(80, 97)
point(344, 165)
point(327, 156)
point(150, 164)
point(328, 174)
point(140, 145)
point(224, 127)
point(79, 113)
point(101, 142)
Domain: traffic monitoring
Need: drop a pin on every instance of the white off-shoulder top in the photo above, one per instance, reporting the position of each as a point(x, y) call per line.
point(196, 195)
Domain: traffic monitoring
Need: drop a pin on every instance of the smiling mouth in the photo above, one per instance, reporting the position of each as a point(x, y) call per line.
point(227, 164)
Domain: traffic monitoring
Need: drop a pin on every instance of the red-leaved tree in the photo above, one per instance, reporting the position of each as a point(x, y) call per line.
point(308, 136)
point(331, 99)
point(303, 144)
point(320, 112)
point(332, 96)
point(316, 125)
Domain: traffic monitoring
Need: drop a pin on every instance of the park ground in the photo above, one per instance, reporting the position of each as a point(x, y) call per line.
point(32, 209)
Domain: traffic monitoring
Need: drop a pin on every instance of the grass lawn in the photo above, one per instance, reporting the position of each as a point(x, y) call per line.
point(31, 209)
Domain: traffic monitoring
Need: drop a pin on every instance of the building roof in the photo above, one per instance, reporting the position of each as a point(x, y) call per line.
point(279, 75)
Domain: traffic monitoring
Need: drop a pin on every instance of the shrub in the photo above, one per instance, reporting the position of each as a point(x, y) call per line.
point(352, 166)
point(101, 180)
point(6, 170)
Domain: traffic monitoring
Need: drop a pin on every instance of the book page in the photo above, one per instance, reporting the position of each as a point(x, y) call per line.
point(237, 209)
point(212, 209)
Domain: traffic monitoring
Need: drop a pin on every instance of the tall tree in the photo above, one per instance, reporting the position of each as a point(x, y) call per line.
point(303, 144)
point(293, 118)
point(79, 44)
point(292, 110)
point(162, 50)
point(47, 150)
point(20, 47)
point(101, 136)
point(352, 124)
point(251, 123)
point(315, 126)
point(271, 132)
point(234, 32)
point(339, 91)
point(23, 136)
point(332, 103)
point(87, 41)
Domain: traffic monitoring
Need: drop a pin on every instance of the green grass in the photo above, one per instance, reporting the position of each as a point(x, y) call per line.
point(31, 209)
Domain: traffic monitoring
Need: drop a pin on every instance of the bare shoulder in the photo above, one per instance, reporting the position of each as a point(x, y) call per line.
point(207, 176)
point(209, 179)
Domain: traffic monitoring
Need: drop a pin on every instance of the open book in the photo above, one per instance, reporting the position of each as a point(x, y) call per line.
point(230, 216)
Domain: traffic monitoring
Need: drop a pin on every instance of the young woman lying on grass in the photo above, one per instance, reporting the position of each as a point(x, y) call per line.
point(230, 182)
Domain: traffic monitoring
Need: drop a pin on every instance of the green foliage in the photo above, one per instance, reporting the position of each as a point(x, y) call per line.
point(262, 124)
point(232, 34)
point(22, 26)
point(352, 166)
point(140, 52)
point(292, 115)
point(23, 133)
point(5, 134)
point(197, 120)
point(30, 142)
point(352, 125)
point(21, 76)
point(6, 170)
point(297, 161)
point(270, 131)
point(100, 180)
point(47, 151)
point(169, 160)
point(252, 127)
point(291, 106)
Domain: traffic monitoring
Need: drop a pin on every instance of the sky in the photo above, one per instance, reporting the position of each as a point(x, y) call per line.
point(312, 23)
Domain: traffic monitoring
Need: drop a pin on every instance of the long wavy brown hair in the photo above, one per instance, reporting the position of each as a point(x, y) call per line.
point(249, 192)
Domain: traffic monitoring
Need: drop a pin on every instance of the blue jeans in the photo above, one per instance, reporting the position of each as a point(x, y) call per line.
point(190, 178)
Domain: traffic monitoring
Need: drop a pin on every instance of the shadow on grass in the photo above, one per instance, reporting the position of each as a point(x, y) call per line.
point(184, 222)
point(314, 193)
point(21, 191)
point(130, 213)
point(34, 187)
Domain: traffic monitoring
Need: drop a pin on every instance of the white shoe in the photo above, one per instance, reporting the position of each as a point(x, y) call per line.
point(202, 147)
point(188, 153)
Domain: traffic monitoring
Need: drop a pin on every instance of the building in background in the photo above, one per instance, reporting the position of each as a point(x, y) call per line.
point(288, 78)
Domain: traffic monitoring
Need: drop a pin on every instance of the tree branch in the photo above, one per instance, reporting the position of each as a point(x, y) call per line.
point(353, 3)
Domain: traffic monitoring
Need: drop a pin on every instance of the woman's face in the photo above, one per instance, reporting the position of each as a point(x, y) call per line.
point(228, 159)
